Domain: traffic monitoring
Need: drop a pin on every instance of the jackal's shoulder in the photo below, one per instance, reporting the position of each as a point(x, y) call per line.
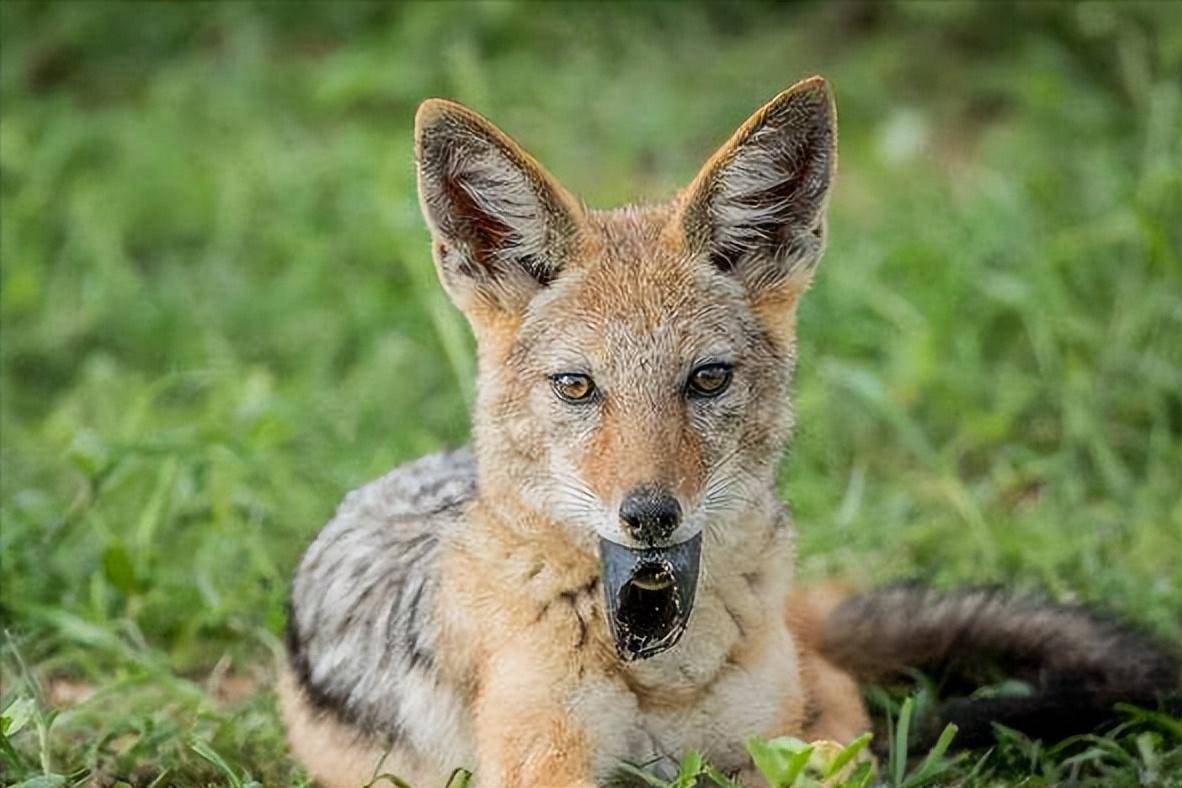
point(420, 488)
point(362, 626)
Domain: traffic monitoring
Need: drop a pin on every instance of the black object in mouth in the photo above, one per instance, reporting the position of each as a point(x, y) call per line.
point(650, 593)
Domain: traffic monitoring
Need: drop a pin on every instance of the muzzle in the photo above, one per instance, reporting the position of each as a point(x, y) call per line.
point(649, 593)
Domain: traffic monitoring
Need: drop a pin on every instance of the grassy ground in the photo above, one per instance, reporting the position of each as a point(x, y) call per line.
point(218, 315)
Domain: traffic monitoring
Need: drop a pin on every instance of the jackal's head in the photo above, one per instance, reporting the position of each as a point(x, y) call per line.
point(634, 363)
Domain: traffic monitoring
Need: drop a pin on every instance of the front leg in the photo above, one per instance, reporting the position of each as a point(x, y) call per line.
point(526, 735)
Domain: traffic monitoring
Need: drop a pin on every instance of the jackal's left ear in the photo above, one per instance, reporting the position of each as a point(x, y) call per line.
point(502, 226)
point(757, 209)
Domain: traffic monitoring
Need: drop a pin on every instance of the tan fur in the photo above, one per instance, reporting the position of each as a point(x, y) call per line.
point(838, 712)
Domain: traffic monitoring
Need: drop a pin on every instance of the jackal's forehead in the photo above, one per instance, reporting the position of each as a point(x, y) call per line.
point(638, 300)
point(614, 317)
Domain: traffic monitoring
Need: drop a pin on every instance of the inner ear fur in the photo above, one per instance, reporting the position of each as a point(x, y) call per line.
point(502, 226)
point(757, 208)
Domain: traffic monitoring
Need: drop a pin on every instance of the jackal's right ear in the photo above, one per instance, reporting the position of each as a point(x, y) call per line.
point(502, 226)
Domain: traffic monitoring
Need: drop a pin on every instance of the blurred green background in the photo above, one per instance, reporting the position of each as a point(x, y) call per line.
point(219, 314)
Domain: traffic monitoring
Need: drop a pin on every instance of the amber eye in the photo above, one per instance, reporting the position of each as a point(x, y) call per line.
point(709, 380)
point(573, 387)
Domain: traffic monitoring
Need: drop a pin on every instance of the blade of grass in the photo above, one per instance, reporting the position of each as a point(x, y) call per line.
point(933, 764)
point(848, 753)
point(208, 753)
point(899, 745)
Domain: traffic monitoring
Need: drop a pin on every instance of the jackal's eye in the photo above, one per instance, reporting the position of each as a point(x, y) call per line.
point(709, 380)
point(573, 387)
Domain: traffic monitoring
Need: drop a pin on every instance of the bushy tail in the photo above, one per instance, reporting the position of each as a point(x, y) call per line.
point(1079, 662)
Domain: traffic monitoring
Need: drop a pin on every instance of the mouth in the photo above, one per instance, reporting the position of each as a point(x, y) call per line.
point(649, 593)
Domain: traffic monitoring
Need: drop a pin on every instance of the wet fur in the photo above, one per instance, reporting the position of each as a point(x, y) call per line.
point(451, 615)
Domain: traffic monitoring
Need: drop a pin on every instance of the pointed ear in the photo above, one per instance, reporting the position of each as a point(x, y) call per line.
point(757, 209)
point(502, 226)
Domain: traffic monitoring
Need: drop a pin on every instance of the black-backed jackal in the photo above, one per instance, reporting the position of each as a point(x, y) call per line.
point(606, 575)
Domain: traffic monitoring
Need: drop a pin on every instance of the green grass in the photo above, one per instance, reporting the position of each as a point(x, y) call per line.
point(219, 314)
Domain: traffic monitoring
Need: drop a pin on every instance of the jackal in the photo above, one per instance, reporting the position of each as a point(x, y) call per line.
point(605, 576)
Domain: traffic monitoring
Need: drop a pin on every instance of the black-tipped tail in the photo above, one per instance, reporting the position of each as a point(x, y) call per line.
point(1079, 662)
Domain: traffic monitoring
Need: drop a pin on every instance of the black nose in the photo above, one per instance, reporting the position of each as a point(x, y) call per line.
point(649, 515)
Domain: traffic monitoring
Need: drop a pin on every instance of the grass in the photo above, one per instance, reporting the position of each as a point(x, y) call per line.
point(218, 314)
